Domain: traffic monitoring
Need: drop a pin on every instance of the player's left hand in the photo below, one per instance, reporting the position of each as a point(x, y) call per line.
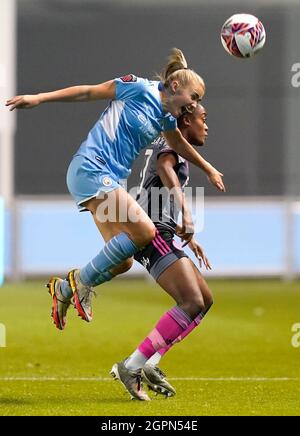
point(215, 177)
point(199, 253)
point(23, 102)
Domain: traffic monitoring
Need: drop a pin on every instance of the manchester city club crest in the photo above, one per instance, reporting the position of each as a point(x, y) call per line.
point(107, 181)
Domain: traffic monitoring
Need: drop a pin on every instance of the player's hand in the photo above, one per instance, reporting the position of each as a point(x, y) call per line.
point(23, 102)
point(215, 177)
point(186, 230)
point(199, 253)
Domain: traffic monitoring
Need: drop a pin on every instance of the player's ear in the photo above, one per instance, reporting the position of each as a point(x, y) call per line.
point(186, 121)
point(174, 85)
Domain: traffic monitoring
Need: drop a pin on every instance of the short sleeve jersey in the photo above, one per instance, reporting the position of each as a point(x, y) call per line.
point(130, 122)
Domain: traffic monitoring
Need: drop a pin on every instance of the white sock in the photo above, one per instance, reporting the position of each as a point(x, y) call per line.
point(135, 361)
point(155, 359)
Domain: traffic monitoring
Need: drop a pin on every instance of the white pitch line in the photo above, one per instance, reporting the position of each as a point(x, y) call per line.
point(236, 378)
point(105, 379)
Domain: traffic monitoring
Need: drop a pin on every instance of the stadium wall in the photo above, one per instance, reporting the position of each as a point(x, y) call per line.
point(61, 43)
point(2, 233)
point(256, 237)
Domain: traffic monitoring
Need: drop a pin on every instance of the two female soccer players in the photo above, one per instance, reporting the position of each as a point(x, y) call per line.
point(138, 112)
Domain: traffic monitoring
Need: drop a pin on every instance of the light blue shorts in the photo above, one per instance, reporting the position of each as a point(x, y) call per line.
point(86, 181)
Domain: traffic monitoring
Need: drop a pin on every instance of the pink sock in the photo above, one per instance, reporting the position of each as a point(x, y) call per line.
point(181, 336)
point(170, 326)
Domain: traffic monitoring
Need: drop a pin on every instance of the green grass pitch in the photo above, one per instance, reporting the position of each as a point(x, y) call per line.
point(239, 361)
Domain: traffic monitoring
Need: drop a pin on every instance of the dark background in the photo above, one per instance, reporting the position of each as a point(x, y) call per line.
point(63, 43)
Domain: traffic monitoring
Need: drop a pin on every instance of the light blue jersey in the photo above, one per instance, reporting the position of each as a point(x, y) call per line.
point(130, 122)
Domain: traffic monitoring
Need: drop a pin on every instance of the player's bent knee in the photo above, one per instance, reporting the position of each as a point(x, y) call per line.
point(193, 307)
point(208, 305)
point(145, 237)
point(127, 264)
point(123, 267)
point(150, 233)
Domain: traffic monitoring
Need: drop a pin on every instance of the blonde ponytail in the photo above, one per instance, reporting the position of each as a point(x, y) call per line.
point(176, 61)
point(177, 69)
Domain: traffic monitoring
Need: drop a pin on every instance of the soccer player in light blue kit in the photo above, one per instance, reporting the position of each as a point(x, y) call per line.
point(138, 112)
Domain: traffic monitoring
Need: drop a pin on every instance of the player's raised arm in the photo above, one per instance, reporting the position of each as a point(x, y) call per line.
point(103, 91)
point(184, 149)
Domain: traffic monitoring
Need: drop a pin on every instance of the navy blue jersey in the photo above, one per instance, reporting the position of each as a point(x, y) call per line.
point(152, 196)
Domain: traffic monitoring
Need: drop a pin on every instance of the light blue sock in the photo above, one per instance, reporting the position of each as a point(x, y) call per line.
point(118, 249)
point(102, 278)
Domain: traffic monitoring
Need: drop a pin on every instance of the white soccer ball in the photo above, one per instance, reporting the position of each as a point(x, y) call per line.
point(243, 35)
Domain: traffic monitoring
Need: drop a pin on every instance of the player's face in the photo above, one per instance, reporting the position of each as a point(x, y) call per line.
point(184, 99)
point(198, 129)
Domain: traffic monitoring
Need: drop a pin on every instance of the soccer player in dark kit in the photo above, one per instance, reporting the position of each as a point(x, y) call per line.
point(165, 260)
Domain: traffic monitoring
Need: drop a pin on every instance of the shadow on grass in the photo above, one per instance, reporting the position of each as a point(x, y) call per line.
point(10, 401)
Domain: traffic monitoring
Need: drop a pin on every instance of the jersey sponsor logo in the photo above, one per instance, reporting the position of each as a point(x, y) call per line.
point(128, 78)
point(142, 118)
point(146, 127)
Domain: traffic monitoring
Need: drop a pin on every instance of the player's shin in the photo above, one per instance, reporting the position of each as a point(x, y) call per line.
point(168, 328)
point(155, 359)
point(118, 249)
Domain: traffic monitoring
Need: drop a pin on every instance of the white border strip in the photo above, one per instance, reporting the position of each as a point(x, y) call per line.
point(105, 379)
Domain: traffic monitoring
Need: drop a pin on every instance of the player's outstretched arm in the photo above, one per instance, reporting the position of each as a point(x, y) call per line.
point(103, 91)
point(184, 149)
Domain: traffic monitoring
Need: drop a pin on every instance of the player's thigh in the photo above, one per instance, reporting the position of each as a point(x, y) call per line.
point(118, 212)
point(180, 281)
